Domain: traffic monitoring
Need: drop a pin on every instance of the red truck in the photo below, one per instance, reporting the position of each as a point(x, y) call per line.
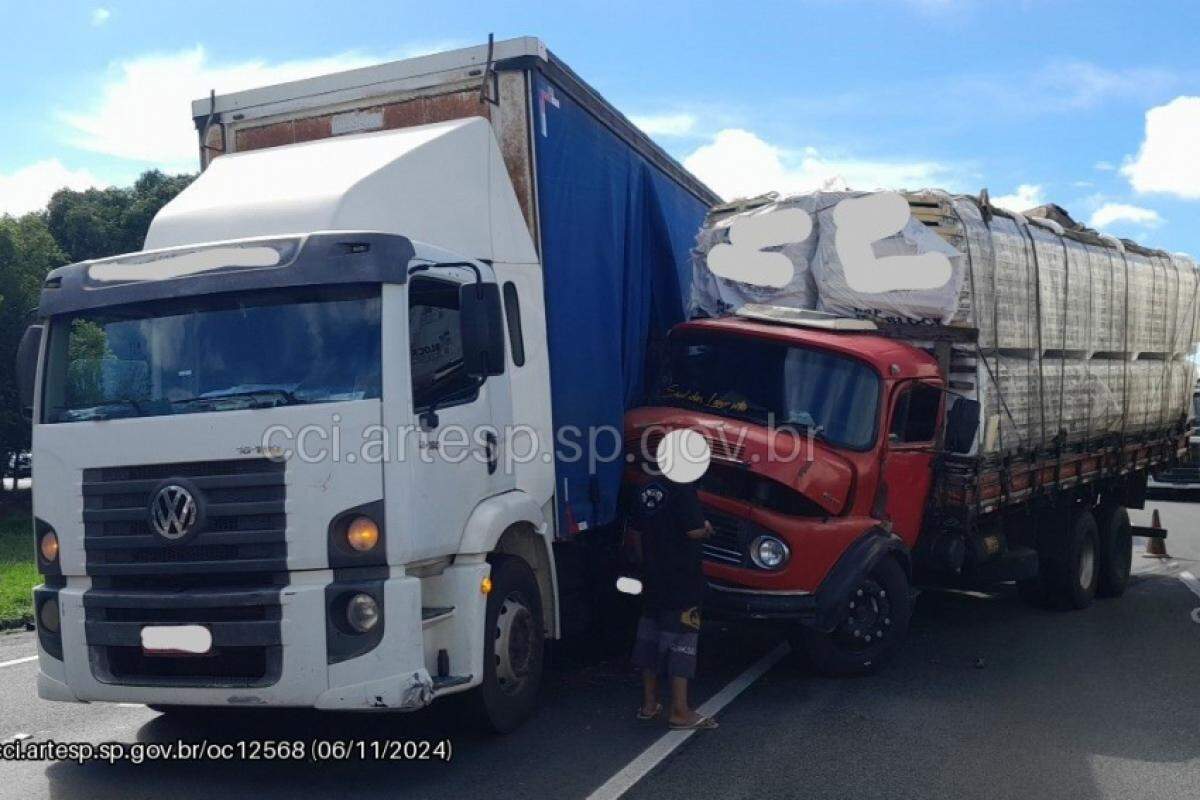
point(846, 467)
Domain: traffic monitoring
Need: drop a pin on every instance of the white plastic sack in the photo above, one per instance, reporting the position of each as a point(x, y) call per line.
point(713, 295)
point(819, 268)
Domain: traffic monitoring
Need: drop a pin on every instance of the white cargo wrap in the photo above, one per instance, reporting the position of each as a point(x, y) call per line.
point(1079, 335)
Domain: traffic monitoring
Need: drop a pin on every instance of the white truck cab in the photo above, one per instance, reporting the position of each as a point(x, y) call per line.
point(300, 450)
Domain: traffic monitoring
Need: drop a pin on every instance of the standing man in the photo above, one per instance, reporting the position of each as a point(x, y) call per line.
point(667, 516)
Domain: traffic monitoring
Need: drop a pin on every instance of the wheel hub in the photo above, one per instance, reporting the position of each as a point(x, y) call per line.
point(514, 644)
point(1087, 564)
point(869, 617)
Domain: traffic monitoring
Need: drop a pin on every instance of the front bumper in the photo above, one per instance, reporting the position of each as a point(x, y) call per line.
point(722, 601)
point(1175, 483)
point(392, 675)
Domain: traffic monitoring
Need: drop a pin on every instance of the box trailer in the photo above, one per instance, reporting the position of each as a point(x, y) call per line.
point(611, 215)
point(331, 439)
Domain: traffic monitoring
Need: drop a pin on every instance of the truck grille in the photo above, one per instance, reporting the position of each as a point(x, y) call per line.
point(724, 447)
point(1183, 474)
point(243, 530)
point(728, 542)
point(245, 627)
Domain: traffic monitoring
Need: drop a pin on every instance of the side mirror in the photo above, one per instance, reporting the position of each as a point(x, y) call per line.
point(429, 420)
point(962, 423)
point(482, 324)
point(27, 363)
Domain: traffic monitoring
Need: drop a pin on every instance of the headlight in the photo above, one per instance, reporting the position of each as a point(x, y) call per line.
point(768, 552)
point(48, 545)
point(48, 616)
point(362, 612)
point(363, 534)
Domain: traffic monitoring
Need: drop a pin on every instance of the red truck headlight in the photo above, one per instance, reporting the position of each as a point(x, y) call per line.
point(769, 552)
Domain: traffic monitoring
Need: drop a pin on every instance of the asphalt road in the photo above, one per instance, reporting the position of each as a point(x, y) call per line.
point(988, 699)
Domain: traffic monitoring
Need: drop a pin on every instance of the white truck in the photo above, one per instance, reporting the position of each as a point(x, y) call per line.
point(330, 438)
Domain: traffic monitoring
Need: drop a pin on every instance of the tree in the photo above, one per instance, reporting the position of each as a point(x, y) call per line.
point(27, 253)
point(76, 226)
point(105, 222)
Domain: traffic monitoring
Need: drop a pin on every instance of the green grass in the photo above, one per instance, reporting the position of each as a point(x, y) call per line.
point(18, 572)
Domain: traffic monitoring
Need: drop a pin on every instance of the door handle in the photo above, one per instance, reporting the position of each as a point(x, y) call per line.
point(491, 449)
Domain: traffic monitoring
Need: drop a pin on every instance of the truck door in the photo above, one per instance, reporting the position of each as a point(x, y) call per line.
point(908, 455)
point(458, 423)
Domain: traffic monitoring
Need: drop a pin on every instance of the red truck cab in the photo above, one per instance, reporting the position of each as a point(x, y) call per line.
point(822, 447)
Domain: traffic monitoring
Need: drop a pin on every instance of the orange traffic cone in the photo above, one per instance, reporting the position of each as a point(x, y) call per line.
point(1156, 548)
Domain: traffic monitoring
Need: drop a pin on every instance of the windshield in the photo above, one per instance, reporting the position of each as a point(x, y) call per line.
point(837, 398)
point(215, 354)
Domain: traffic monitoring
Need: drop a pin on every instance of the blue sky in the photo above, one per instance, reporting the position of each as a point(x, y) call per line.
point(1093, 105)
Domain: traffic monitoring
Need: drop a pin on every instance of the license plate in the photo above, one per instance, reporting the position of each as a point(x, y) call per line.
point(164, 640)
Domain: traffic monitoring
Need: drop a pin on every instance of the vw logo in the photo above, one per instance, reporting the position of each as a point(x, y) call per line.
point(173, 512)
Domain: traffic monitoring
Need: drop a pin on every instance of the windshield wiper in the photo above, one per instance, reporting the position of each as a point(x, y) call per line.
point(99, 415)
point(129, 401)
point(288, 398)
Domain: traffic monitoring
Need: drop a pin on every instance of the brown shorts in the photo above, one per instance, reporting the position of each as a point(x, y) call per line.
point(667, 641)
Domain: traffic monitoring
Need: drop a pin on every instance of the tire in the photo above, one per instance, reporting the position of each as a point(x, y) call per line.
point(513, 649)
point(1070, 566)
point(1116, 550)
point(883, 602)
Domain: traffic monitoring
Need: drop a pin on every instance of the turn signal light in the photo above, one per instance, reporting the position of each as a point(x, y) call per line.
point(363, 534)
point(48, 545)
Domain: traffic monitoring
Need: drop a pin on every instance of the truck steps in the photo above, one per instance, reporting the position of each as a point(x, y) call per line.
point(441, 682)
point(431, 615)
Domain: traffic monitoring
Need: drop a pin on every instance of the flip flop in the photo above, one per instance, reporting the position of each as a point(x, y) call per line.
point(641, 715)
point(701, 724)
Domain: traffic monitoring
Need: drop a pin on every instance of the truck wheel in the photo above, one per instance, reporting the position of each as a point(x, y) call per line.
point(1116, 550)
point(513, 647)
point(1071, 570)
point(877, 622)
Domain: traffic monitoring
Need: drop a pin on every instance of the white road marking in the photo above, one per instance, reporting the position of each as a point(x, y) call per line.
point(16, 661)
point(1190, 581)
point(653, 755)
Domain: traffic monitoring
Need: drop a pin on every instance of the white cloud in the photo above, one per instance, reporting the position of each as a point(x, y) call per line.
point(1082, 84)
point(1169, 159)
point(665, 124)
point(100, 16)
point(143, 110)
point(30, 187)
point(1027, 196)
point(1104, 166)
point(737, 163)
point(1111, 213)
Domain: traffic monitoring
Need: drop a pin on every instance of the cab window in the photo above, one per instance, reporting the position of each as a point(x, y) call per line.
point(915, 416)
point(439, 377)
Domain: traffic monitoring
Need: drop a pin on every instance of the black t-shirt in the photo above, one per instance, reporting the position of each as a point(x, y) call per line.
point(664, 511)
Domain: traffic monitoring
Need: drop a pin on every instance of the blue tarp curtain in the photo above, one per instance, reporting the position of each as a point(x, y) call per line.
point(616, 236)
